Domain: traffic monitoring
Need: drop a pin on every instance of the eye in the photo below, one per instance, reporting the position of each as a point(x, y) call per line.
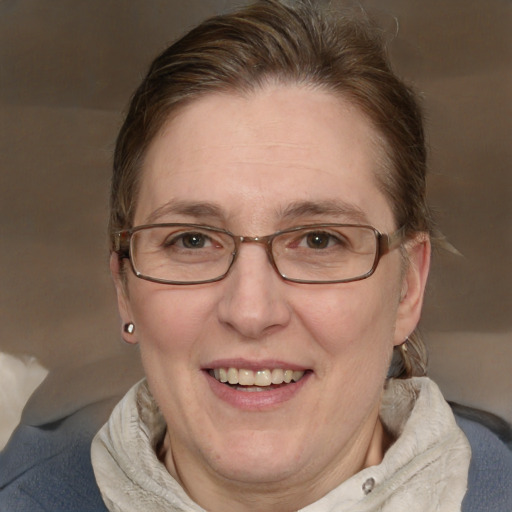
point(317, 240)
point(194, 240)
point(189, 240)
point(320, 240)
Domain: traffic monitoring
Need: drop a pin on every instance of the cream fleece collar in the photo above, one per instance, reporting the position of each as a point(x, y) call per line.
point(424, 470)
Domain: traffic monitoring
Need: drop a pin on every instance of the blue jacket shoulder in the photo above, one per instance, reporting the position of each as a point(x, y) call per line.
point(47, 468)
point(490, 471)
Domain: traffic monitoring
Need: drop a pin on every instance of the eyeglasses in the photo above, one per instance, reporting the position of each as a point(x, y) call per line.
point(192, 254)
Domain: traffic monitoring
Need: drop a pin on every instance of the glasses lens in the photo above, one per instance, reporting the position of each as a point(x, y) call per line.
point(326, 253)
point(181, 253)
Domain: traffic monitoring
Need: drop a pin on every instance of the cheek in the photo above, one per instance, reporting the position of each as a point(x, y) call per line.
point(168, 319)
point(355, 320)
point(170, 323)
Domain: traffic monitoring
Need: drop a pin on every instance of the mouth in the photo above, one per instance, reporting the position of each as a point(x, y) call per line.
point(256, 380)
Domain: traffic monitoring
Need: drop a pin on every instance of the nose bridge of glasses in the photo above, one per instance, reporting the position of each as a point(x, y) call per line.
point(265, 241)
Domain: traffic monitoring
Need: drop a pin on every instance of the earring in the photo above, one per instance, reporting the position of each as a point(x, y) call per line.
point(129, 328)
point(403, 346)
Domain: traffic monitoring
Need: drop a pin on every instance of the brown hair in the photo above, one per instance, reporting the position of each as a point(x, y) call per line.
point(295, 43)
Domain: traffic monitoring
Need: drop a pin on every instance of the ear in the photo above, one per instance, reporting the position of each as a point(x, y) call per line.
point(413, 286)
point(123, 302)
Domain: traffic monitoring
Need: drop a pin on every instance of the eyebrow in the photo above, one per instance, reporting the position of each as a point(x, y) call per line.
point(332, 208)
point(203, 209)
point(295, 210)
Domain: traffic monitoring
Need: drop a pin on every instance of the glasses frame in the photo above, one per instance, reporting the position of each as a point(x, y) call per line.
point(385, 242)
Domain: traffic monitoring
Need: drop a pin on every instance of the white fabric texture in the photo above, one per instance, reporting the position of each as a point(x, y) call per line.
point(425, 470)
point(19, 377)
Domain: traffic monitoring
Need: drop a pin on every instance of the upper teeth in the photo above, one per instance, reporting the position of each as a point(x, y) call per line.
point(259, 378)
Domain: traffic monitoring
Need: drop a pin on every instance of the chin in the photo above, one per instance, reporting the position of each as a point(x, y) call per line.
point(258, 457)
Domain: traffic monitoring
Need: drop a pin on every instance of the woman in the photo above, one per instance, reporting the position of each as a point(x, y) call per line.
point(270, 248)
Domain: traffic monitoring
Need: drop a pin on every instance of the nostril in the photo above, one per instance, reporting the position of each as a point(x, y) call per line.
point(252, 306)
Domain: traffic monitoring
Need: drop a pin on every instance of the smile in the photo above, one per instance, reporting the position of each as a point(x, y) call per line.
point(255, 380)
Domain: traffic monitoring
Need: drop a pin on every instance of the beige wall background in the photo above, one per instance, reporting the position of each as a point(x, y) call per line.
point(67, 69)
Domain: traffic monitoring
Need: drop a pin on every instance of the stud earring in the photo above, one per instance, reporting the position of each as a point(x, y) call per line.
point(129, 328)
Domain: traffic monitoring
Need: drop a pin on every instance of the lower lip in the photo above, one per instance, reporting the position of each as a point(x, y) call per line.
point(256, 400)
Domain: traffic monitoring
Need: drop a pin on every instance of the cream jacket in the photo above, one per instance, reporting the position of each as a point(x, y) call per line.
point(425, 470)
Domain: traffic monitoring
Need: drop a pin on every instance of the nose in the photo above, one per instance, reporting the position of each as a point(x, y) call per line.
point(253, 301)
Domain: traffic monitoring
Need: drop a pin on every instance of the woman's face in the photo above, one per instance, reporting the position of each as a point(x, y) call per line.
point(280, 157)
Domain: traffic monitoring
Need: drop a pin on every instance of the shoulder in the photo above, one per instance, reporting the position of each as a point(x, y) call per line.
point(490, 471)
point(47, 467)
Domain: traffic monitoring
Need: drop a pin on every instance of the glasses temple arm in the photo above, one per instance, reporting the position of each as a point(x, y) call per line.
point(390, 241)
point(121, 244)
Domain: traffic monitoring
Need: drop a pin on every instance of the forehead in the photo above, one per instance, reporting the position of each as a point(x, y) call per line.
point(255, 155)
